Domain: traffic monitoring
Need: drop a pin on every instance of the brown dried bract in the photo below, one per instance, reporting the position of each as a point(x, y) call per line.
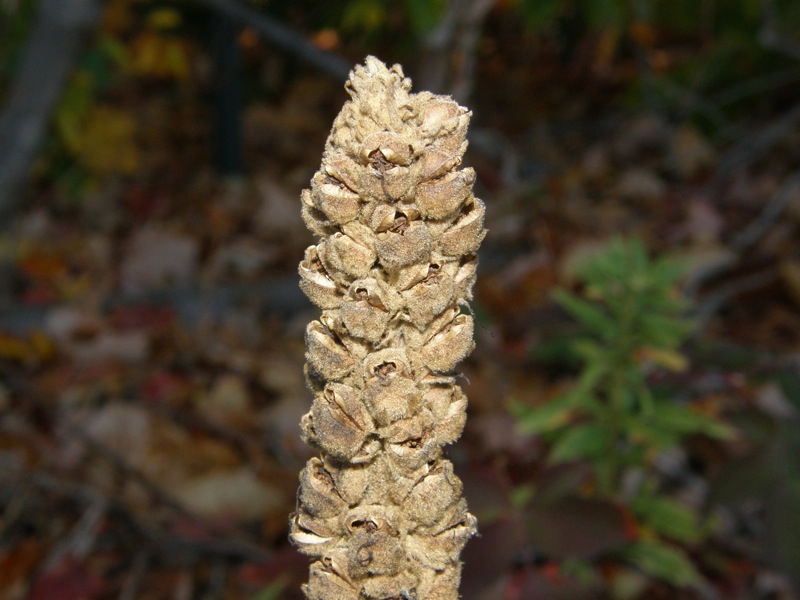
point(381, 511)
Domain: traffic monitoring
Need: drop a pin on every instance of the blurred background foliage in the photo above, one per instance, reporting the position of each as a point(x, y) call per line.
point(636, 387)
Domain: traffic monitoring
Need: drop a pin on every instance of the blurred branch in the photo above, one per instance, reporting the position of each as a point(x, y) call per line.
point(751, 147)
point(48, 59)
point(769, 36)
point(167, 546)
point(450, 49)
point(769, 214)
point(281, 36)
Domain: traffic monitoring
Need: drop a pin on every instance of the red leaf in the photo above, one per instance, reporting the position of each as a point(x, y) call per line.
point(69, 580)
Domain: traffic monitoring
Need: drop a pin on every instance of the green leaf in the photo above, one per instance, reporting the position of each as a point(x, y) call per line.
point(663, 561)
point(668, 517)
point(640, 431)
point(789, 380)
point(591, 315)
point(424, 14)
point(547, 417)
point(682, 420)
point(581, 441)
point(273, 591)
point(365, 15)
point(659, 329)
point(539, 14)
point(783, 526)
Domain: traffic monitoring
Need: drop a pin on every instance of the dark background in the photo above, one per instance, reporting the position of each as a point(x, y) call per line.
point(152, 155)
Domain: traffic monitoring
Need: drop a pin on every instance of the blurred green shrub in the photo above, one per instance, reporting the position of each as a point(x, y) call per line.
point(632, 322)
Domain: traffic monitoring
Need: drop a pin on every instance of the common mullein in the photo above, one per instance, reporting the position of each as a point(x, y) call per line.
point(380, 511)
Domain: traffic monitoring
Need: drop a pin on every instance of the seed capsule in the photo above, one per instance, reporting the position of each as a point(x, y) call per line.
point(466, 234)
point(324, 584)
point(326, 354)
point(448, 346)
point(316, 283)
point(442, 197)
point(344, 256)
point(406, 243)
point(340, 204)
point(318, 494)
point(427, 298)
point(342, 424)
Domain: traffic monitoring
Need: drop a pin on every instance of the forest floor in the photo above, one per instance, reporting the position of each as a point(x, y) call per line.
point(151, 341)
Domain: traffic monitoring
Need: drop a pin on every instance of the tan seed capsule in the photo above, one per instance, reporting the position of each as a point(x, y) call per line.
point(405, 244)
point(344, 256)
point(375, 553)
point(315, 220)
point(314, 536)
point(435, 493)
point(342, 423)
point(441, 198)
point(426, 299)
point(466, 234)
point(436, 551)
point(326, 354)
point(400, 586)
point(324, 584)
point(440, 584)
point(435, 163)
point(318, 493)
point(450, 345)
point(449, 408)
point(316, 283)
point(371, 305)
point(464, 278)
point(393, 148)
point(392, 401)
point(340, 204)
point(344, 169)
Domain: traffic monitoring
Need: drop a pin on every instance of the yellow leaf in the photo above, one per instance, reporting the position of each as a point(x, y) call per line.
point(669, 359)
point(159, 56)
point(117, 17)
point(108, 142)
point(164, 18)
point(177, 60)
point(42, 345)
point(14, 348)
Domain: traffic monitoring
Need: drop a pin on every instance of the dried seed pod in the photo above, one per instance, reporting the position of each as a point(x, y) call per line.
point(339, 203)
point(346, 257)
point(448, 405)
point(324, 584)
point(433, 495)
point(318, 493)
point(372, 304)
point(342, 424)
point(381, 510)
point(391, 587)
point(437, 548)
point(449, 346)
point(326, 353)
point(427, 298)
point(467, 233)
point(405, 243)
point(316, 283)
point(441, 198)
point(314, 535)
point(441, 585)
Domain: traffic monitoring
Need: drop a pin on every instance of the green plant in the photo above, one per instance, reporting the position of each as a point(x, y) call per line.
point(632, 322)
point(381, 511)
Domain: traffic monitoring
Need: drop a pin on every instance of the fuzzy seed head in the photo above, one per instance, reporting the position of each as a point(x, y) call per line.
point(398, 226)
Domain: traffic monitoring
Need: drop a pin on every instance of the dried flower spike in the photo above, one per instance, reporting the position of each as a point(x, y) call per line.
point(381, 512)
